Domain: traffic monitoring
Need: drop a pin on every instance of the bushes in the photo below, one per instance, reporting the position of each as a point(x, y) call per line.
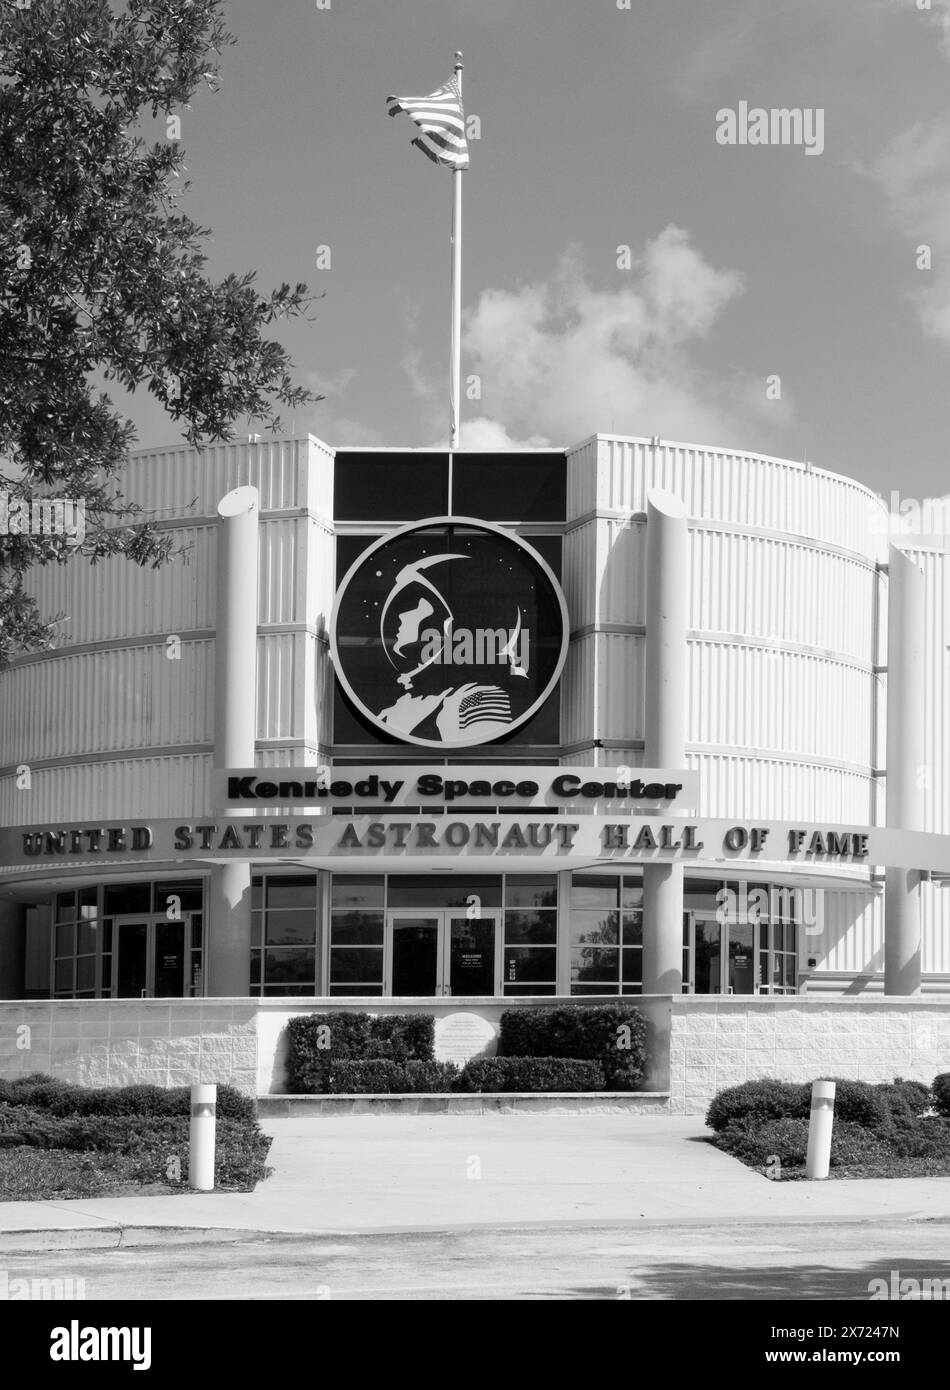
point(66, 1098)
point(757, 1102)
point(880, 1129)
point(532, 1074)
point(318, 1040)
point(355, 1053)
point(612, 1034)
point(59, 1139)
point(380, 1076)
point(941, 1093)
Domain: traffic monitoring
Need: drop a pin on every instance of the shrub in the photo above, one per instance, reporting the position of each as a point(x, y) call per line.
point(941, 1093)
point(532, 1074)
point(758, 1101)
point(317, 1040)
point(379, 1076)
point(786, 1138)
point(906, 1100)
point(862, 1103)
point(65, 1098)
point(929, 1138)
point(612, 1034)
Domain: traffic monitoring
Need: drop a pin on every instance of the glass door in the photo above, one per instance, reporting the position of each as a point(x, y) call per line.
point(442, 951)
point(414, 957)
point(474, 960)
point(152, 954)
point(722, 956)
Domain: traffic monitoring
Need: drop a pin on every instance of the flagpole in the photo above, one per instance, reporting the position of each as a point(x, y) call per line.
point(456, 361)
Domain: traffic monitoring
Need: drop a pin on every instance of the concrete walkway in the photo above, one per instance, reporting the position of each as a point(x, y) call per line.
point(362, 1174)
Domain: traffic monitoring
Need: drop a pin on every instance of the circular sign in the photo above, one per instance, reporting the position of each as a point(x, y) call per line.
point(449, 632)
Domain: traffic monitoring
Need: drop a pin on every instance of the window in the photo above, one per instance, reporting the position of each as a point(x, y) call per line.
point(357, 927)
point(530, 941)
point(606, 935)
point(510, 487)
point(389, 485)
point(284, 934)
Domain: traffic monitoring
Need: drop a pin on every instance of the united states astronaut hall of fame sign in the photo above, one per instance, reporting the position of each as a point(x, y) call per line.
point(449, 633)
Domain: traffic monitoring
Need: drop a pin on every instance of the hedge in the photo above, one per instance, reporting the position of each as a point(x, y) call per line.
point(612, 1034)
point(317, 1040)
point(875, 1107)
point(941, 1093)
point(382, 1077)
point(49, 1093)
point(531, 1074)
point(760, 1142)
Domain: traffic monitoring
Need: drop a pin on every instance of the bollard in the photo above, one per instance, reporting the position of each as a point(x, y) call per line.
point(201, 1137)
point(820, 1124)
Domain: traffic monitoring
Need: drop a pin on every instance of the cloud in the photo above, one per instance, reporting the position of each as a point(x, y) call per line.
point(327, 422)
point(914, 173)
point(559, 360)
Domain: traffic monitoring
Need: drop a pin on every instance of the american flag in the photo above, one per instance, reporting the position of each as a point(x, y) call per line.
point(488, 702)
point(442, 122)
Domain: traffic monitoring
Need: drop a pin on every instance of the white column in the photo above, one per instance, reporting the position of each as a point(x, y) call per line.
point(235, 712)
point(665, 713)
point(906, 757)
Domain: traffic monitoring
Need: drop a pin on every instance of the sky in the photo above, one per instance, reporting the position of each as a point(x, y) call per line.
point(762, 297)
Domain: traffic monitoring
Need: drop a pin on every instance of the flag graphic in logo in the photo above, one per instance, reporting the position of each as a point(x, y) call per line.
point(442, 121)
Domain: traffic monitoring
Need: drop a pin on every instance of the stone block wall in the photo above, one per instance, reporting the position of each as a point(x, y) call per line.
point(105, 1042)
point(719, 1042)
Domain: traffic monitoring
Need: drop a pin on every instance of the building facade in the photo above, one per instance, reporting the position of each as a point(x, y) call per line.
point(179, 820)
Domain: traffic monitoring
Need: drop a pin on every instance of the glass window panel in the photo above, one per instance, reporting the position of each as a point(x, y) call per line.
point(288, 966)
point(86, 973)
point(64, 974)
point(370, 485)
point(292, 892)
point(594, 892)
point(358, 929)
point(633, 928)
point(65, 939)
point(632, 966)
point(510, 487)
point(355, 990)
point(277, 990)
point(358, 891)
point(257, 894)
point(528, 963)
point(291, 928)
point(351, 965)
point(197, 924)
point(106, 974)
point(530, 989)
point(255, 967)
point(124, 899)
point(788, 936)
point(443, 890)
point(88, 898)
point(188, 890)
point(531, 891)
point(632, 893)
point(631, 989)
point(789, 970)
point(594, 928)
point(88, 937)
point(701, 895)
point(590, 964)
point(606, 988)
point(257, 926)
point(107, 934)
point(531, 928)
point(65, 907)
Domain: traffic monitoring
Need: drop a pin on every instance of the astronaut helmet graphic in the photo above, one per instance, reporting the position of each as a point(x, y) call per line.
point(449, 633)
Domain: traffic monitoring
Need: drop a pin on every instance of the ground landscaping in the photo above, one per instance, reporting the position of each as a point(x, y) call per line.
point(898, 1129)
point(62, 1140)
point(572, 1048)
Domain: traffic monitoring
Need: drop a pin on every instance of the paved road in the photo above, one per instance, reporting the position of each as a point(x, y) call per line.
point(667, 1261)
